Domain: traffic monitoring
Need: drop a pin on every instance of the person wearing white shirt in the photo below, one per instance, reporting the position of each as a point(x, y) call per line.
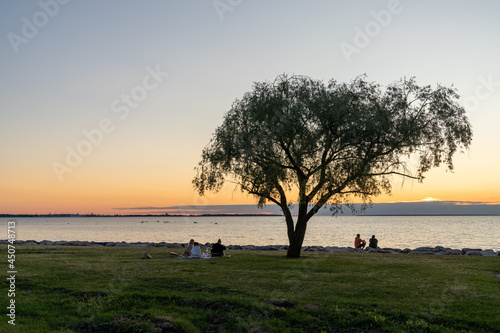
point(196, 251)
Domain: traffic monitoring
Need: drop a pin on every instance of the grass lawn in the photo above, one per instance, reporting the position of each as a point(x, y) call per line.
point(107, 289)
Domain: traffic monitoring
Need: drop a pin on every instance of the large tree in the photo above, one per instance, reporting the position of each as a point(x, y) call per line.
point(330, 144)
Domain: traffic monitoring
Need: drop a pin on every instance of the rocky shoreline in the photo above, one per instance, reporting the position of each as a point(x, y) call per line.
point(438, 250)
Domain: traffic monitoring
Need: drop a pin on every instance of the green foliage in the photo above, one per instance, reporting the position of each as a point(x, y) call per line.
point(62, 289)
point(331, 143)
point(332, 140)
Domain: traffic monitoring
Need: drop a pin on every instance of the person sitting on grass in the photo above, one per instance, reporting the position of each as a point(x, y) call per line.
point(196, 251)
point(218, 249)
point(187, 251)
point(373, 242)
point(359, 243)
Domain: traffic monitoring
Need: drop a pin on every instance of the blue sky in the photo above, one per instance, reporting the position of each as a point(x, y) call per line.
point(84, 55)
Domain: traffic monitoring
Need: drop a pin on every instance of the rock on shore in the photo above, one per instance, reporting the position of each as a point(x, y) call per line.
point(438, 250)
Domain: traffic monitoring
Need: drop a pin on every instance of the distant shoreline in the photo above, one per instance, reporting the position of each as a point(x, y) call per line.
point(215, 215)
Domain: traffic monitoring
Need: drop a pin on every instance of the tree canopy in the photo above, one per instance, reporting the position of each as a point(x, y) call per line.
point(330, 143)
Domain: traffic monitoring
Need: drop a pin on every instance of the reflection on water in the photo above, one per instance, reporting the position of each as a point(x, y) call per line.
point(391, 231)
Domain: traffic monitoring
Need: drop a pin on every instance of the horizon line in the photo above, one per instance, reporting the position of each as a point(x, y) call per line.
point(412, 208)
point(458, 202)
point(227, 214)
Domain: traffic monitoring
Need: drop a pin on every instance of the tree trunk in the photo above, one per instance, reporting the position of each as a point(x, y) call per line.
point(298, 238)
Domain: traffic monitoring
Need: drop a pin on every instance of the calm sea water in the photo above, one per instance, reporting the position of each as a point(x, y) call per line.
point(391, 231)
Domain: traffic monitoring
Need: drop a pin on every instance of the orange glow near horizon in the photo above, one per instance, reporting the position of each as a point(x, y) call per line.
point(101, 197)
point(113, 183)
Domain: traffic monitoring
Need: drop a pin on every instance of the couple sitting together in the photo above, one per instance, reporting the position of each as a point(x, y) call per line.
point(361, 243)
point(193, 250)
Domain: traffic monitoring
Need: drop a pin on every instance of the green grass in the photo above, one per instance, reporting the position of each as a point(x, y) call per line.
point(92, 289)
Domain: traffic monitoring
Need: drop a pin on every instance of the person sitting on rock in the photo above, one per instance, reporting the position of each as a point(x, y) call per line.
point(218, 249)
point(373, 242)
point(359, 243)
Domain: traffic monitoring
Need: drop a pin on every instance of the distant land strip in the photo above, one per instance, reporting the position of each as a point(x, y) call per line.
point(415, 208)
point(216, 215)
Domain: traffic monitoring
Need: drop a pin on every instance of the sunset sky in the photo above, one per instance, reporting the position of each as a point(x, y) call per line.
point(108, 104)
